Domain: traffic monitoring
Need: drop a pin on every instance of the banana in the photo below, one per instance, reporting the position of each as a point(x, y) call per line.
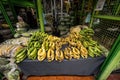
point(53, 45)
point(84, 52)
point(68, 54)
point(33, 54)
point(29, 51)
point(97, 51)
point(19, 53)
point(90, 52)
point(18, 60)
point(23, 52)
point(76, 53)
point(59, 55)
point(85, 44)
point(79, 44)
point(50, 55)
point(41, 54)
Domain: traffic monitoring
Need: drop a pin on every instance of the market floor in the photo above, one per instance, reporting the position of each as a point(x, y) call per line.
point(111, 77)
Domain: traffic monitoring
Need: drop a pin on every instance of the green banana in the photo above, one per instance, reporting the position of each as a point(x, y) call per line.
point(17, 52)
point(85, 44)
point(30, 50)
point(18, 60)
point(97, 51)
point(33, 54)
point(90, 52)
point(21, 53)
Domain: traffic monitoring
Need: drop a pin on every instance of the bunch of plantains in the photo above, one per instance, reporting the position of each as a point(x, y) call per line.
point(42, 46)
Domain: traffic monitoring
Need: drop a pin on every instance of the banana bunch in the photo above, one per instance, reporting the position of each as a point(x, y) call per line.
point(68, 53)
point(59, 56)
point(93, 47)
point(32, 53)
point(37, 39)
point(76, 53)
point(84, 52)
point(87, 32)
point(94, 51)
point(41, 53)
point(50, 55)
point(20, 55)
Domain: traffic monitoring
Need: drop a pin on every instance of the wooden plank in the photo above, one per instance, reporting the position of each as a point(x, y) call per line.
point(61, 78)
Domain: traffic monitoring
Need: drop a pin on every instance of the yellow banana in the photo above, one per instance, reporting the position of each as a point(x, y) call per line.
point(50, 55)
point(68, 54)
point(53, 45)
point(41, 54)
point(84, 52)
point(76, 53)
point(59, 55)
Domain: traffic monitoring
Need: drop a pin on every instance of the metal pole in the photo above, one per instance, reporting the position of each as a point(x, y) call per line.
point(6, 18)
point(40, 15)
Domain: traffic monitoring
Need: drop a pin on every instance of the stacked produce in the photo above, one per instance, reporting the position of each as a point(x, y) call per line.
point(8, 50)
point(92, 46)
point(78, 43)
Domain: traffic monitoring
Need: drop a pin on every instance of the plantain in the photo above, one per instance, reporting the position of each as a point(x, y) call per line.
point(18, 60)
point(97, 51)
point(41, 54)
point(90, 52)
point(33, 54)
point(21, 56)
point(85, 43)
point(50, 55)
point(76, 53)
point(84, 52)
point(20, 52)
point(29, 51)
point(59, 55)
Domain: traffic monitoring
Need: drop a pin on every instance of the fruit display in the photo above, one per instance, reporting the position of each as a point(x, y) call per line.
point(77, 44)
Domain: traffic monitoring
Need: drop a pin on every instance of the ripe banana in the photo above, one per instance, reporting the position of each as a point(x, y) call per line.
point(76, 53)
point(50, 55)
point(84, 52)
point(59, 55)
point(41, 54)
point(68, 53)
